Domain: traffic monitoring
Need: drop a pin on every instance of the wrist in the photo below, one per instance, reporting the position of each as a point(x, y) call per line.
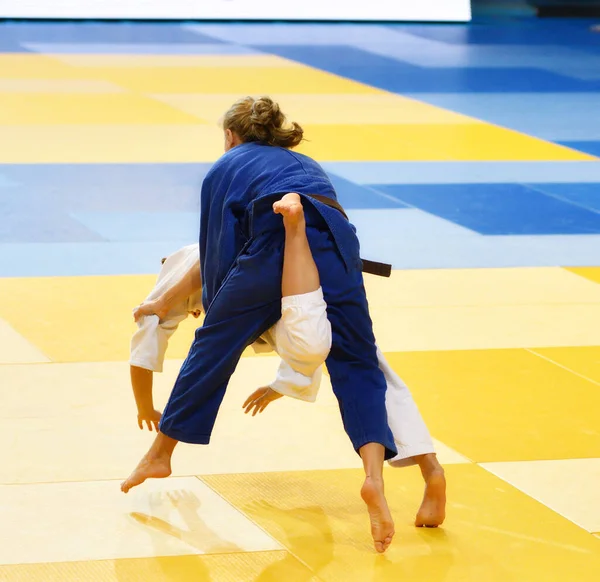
point(144, 407)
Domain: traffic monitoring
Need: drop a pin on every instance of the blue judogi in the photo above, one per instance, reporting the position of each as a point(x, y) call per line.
point(241, 257)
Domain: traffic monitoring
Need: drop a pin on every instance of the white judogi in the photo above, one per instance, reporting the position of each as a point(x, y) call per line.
point(302, 338)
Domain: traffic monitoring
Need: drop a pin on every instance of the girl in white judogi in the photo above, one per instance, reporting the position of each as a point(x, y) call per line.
point(302, 338)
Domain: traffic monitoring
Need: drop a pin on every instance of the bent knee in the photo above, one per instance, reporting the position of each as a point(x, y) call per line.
point(308, 349)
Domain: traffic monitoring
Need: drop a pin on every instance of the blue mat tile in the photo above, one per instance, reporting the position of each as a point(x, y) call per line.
point(427, 53)
point(102, 32)
point(34, 227)
point(528, 31)
point(393, 75)
point(585, 195)
point(40, 221)
point(8, 45)
point(589, 147)
point(353, 195)
point(111, 187)
point(499, 209)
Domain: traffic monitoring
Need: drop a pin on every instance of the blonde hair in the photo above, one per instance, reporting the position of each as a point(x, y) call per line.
point(261, 120)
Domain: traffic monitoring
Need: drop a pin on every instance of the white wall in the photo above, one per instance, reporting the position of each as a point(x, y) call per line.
point(436, 10)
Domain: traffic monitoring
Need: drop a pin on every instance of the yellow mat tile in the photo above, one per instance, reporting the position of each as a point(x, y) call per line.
point(55, 413)
point(110, 144)
point(581, 360)
point(523, 308)
point(569, 487)
point(62, 522)
point(238, 567)
point(59, 86)
point(15, 349)
point(320, 518)
point(130, 61)
point(591, 273)
point(351, 143)
point(332, 143)
point(87, 335)
point(87, 109)
point(429, 142)
point(481, 327)
point(204, 143)
point(242, 80)
point(49, 404)
point(480, 287)
point(484, 142)
point(503, 405)
point(342, 109)
point(32, 66)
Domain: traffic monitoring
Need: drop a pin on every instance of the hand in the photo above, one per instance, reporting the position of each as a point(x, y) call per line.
point(154, 307)
point(260, 399)
point(151, 418)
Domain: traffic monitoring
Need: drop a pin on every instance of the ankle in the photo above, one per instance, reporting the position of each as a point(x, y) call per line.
point(430, 465)
point(295, 227)
point(374, 480)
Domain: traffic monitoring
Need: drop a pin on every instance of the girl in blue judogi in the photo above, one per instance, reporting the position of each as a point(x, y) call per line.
point(242, 242)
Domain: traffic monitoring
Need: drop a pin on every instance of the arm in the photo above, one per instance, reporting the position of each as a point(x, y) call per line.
point(189, 283)
point(149, 344)
point(287, 383)
point(141, 382)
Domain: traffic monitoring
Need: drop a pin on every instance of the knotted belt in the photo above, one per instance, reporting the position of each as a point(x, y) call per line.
point(371, 267)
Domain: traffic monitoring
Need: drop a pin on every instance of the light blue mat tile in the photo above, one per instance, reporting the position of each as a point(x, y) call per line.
point(293, 34)
point(550, 116)
point(140, 49)
point(142, 226)
point(465, 172)
point(61, 260)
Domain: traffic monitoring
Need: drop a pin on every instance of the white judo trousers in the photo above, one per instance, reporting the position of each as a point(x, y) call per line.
point(301, 338)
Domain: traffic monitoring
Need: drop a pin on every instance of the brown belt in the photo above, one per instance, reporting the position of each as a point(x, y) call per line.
point(371, 267)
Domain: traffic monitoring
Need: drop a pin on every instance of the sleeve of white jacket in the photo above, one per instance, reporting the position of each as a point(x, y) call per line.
point(302, 338)
point(296, 385)
point(150, 341)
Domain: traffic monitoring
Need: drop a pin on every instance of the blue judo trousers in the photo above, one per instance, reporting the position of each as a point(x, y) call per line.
point(241, 258)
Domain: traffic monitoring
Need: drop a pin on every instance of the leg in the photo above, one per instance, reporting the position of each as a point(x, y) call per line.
point(303, 334)
point(358, 383)
point(300, 274)
point(414, 446)
point(372, 492)
point(155, 464)
point(433, 508)
point(244, 307)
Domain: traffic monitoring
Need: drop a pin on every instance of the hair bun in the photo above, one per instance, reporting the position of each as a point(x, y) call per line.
point(265, 112)
point(261, 120)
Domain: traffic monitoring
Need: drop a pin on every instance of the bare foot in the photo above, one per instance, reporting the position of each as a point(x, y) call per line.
point(382, 525)
point(433, 508)
point(150, 467)
point(290, 207)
